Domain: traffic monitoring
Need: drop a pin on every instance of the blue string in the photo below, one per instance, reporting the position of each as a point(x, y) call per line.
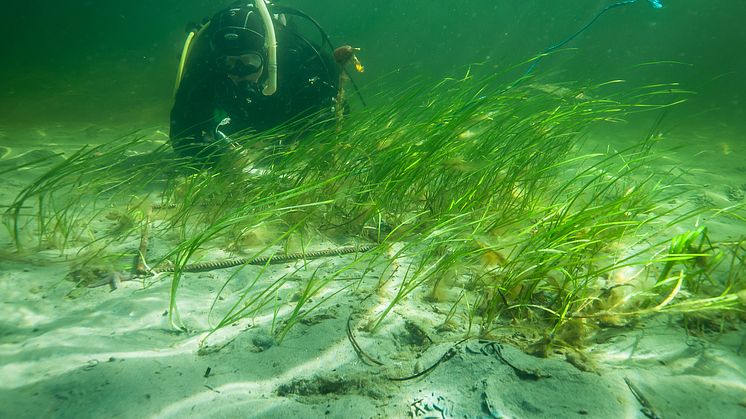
point(655, 3)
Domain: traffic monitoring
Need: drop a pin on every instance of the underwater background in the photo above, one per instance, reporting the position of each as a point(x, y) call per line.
point(632, 210)
point(89, 62)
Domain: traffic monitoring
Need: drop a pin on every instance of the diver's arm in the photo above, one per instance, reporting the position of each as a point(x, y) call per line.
point(192, 116)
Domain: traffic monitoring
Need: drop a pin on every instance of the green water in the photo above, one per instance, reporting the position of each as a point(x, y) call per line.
point(95, 62)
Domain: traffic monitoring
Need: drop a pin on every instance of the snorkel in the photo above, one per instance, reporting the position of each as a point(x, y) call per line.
point(271, 44)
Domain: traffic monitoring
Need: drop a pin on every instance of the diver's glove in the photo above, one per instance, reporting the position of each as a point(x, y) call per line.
point(224, 141)
point(207, 145)
point(219, 135)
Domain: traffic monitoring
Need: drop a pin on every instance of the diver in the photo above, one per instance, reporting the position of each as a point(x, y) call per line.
point(249, 69)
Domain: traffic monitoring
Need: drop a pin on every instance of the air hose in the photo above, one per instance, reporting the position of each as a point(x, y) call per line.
point(324, 39)
point(182, 60)
point(193, 33)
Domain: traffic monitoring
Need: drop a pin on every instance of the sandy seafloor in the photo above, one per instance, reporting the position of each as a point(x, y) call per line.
point(100, 353)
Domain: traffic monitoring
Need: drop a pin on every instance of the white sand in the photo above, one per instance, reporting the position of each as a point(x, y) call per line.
point(114, 354)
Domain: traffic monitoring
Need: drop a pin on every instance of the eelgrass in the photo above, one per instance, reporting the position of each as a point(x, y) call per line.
point(481, 190)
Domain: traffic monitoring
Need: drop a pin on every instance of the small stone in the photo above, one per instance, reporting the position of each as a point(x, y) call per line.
point(735, 194)
point(262, 342)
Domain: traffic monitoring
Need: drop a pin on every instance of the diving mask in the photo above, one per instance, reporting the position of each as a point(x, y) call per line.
point(241, 65)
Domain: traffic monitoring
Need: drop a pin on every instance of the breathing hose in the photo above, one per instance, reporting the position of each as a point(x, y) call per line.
point(182, 60)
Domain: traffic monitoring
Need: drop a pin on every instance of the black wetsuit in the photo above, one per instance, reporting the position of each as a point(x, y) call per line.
point(307, 84)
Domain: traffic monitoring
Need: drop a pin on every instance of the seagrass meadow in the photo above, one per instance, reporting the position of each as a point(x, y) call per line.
point(533, 235)
point(487, 204)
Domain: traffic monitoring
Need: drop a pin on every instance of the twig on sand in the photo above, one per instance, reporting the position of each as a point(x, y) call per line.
point(452, 351)
point(647, 408)
point(356, 346)
point(523, 373)
point(141, 267)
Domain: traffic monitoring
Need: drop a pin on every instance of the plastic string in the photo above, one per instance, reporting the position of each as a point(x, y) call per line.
point(656, 4)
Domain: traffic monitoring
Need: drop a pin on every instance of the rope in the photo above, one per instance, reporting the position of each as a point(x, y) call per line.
point(162, 206)
point(274, 259)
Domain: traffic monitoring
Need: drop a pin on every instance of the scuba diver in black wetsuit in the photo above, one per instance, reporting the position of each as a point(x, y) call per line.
point(249, 68)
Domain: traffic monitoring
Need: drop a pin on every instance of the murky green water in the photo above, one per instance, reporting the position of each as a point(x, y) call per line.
point(97, 62)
